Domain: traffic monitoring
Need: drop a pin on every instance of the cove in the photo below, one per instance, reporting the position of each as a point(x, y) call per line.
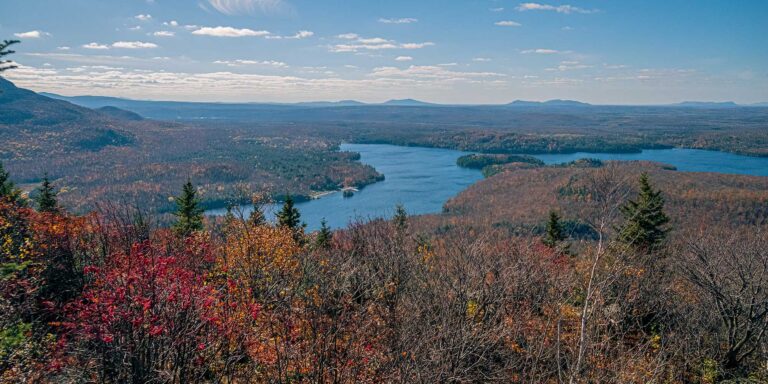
point(421, 179)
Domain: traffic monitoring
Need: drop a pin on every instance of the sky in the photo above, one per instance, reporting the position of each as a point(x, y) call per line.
point(445, 51)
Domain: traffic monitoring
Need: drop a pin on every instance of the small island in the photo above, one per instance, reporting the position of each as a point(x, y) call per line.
point(480, 161)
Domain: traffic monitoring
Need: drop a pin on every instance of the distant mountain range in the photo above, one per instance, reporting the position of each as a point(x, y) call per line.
point(104, 101)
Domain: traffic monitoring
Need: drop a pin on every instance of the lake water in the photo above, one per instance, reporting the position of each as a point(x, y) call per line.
point(687, 160)
point(423, 179)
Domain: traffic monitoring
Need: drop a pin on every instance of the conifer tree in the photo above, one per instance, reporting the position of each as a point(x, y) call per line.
point(324, 236)
point(555, 233)
point(188, 211)
point(7, 189)
point(257, 217)
point(401, 218)
point(289, 216)
point(46, 198)
point(644, 219)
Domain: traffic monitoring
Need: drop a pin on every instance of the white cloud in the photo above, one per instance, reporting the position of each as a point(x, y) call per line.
point(299, 35)
point(143, 17)
point(164, 34)
point(404, 20)
point(358, 43)
point(496, 9)
point(240, 63)
point(569, 66)
point(416, 45)
point(31, 34)
point(403, 58)
point(95, 46)
point(63, 48)
point(172, 23)
point(481, 59)
point(303, 34)
point(96, 59)
point(556, 8)
point(133, 45)
point(239, 7)
point(228, 32)
point(430, 72)
point(508, 23)
point(136, 28)
point(541, 51)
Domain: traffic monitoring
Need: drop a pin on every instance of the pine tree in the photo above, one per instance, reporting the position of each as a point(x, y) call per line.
point(324, 236)
point(555, 233)
point(7, 189)
point(401, 218)
point(644, 219)
point(188, 211)
point(46, 198)
point(289, 216)
point(4, 51)
point(257, 217)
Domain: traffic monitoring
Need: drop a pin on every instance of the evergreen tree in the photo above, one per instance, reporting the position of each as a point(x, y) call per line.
point(555, 233)
point(257, 217)
point(4, 51)
point(46, 197)
point(401, 218)
point(289, 216)
point(644, 219)
point(324, 236)
point(188, 211)
point(7, 189)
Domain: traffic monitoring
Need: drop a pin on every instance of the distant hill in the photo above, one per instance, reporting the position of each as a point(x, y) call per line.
point(408, 103)
point(759, 104)
point(120, 114)
point(32, 124)
point(93, 102)
point(549, 103)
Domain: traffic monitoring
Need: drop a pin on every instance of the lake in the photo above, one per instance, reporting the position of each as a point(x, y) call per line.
point(423, 179)
point(687, 160)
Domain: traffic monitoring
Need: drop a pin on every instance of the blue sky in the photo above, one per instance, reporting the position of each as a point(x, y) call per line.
point(469, 51)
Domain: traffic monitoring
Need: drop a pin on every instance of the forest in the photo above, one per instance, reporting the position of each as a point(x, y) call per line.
point(656, 293)
point(115, 155)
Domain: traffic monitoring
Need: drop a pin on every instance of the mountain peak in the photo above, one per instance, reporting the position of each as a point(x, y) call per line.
point(406, 103)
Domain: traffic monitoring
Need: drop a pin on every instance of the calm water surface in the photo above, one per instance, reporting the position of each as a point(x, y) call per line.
point(423, 179)
point(687, 160)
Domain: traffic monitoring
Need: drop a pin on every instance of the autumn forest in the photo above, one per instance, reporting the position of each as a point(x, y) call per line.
point(584, 272)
